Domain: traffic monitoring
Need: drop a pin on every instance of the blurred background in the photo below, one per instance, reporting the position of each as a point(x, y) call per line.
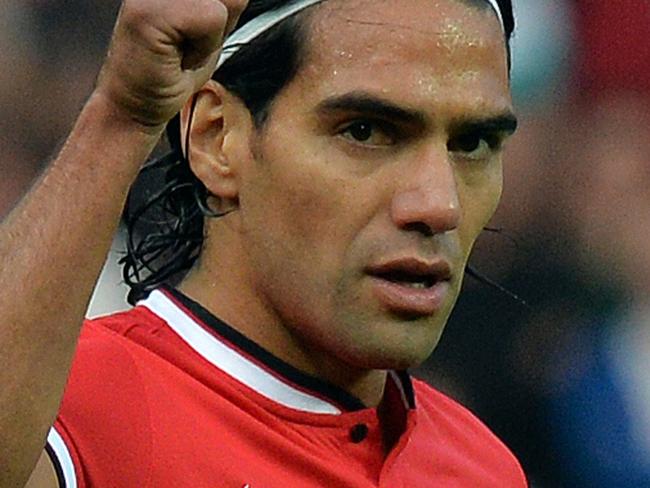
point(563, 379)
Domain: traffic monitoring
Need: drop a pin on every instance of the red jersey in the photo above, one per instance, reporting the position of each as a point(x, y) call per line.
point(167, 395)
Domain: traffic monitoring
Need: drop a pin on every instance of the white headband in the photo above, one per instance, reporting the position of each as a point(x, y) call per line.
point(267, 20)
point(497, 9)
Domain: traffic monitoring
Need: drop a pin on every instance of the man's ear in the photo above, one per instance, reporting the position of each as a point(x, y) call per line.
point(217, 118)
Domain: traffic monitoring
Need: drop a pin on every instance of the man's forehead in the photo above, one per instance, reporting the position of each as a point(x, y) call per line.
point(258, 25)
point(390, 12)
point(349, 32)
point(453, 58)
point(449, 23)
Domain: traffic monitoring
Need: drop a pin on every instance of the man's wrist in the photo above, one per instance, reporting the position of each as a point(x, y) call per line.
point(104, 108)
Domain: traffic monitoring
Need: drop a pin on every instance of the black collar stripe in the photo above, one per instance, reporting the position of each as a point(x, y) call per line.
point(228, 359)
point(407, 385)
point(405, 388)
point(274, 365)
point(260, 356)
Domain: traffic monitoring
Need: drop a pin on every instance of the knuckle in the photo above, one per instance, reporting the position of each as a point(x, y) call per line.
point(220, 12)
point(213, 16)
point(136, 11)
point(217, 11)
point(237, 6)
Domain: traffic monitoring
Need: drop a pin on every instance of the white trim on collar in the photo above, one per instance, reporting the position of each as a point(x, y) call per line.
point(231, 361)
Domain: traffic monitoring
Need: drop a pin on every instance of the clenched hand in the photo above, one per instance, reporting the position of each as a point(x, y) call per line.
point(162, 52)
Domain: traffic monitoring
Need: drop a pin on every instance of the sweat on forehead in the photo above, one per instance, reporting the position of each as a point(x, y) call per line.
point(384, 32)
point(262, 23)
point(405, 15)
point(368, 45)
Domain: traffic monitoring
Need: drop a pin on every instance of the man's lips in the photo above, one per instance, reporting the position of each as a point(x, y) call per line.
point(411, 286)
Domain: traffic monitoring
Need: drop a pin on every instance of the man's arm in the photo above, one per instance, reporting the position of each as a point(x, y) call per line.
point(53, 244)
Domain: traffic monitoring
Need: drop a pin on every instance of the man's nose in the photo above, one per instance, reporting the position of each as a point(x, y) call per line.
point(426, 199)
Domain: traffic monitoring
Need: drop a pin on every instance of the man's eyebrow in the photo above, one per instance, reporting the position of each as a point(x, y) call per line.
point(503, 123)
point(364, 103)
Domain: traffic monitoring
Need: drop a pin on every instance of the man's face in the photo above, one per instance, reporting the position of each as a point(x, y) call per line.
point(379, 165)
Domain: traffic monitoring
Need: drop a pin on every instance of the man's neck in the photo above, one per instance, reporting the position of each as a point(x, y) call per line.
point(232, 305)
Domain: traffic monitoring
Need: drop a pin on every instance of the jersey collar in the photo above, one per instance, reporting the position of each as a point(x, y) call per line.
point(252, 365)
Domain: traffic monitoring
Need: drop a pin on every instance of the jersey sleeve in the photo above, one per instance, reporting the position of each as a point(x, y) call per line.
point(64, 457)
point(102, 434)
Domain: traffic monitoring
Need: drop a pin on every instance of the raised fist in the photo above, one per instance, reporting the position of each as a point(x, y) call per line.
point(162, 51)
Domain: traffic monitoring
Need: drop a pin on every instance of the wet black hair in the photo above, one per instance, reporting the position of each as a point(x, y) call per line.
point(167, 205)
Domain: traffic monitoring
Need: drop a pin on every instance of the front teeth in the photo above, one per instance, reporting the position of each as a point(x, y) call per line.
point(418, 285)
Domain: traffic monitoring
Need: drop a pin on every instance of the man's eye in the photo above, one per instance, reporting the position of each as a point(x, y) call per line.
point(474, 146)
point(367, 132)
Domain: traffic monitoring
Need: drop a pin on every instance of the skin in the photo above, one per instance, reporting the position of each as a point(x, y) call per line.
point(308, 220)
point(321, 194)
point(54, 243)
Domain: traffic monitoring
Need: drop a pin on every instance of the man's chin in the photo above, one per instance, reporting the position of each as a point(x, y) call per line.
point(395, 356)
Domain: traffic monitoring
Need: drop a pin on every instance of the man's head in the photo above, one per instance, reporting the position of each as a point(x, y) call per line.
point(282, 50)
point(357, 149)
point(358, 194)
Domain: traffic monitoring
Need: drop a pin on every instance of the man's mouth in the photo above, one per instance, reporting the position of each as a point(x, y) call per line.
point(410, 271)
point(411, 286)
point(408, 279)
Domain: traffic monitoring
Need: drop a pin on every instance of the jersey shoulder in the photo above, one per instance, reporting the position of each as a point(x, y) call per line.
point(106, 357)
point(111, 364)
point(104, 352)
point(467, 439)
point(106, 404)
